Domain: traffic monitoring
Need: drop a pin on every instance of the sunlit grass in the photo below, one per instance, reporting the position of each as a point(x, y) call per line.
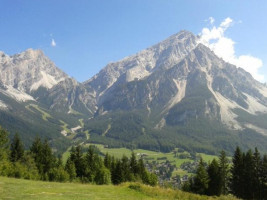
point(11, 188)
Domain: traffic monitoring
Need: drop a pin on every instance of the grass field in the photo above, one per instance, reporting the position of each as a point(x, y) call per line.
point(11, 188)
point(45, 115)
point(64, 126)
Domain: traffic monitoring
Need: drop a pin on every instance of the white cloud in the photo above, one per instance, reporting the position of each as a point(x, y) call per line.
point(224, 47)
point(53, 43)
point(211, 20)
point(226, 23)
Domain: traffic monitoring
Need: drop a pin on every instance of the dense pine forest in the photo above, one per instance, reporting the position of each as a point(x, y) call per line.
point(245, 176)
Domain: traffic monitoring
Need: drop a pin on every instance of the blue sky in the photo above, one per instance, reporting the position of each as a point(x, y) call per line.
point(88, 34)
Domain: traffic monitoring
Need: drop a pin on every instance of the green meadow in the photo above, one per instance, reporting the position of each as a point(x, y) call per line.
point(11, 188)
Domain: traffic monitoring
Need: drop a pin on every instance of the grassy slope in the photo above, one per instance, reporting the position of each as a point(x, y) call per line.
point(119, 152)
point(24, 189)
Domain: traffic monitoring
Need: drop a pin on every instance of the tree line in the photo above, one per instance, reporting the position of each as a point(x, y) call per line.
point(39, 163)
point(245, 177)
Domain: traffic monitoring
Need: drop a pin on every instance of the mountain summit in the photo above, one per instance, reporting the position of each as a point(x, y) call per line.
point(29, 70)
point(136, 67)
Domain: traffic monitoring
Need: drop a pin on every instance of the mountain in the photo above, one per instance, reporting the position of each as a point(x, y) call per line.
point(141, 65)
point(37, 98)
point(177, 93)
point(29, 71)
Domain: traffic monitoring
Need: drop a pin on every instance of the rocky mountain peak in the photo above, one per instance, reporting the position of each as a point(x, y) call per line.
point(160, 56)
point(30, 54)
point(29, 70)
point(183, 37)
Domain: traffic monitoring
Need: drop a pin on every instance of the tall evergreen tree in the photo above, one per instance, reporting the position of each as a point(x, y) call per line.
point(125, 167)
point(16, 149)
point(70, 169)
point(133, 164)
point(248, 175)
point(93, 164)
point(76, 156)
point(214, 178)
point(224, 172)
point(201, 180)
point(237, 171)
point(256, 182)
point(36, 150)
point(113, 169)
point(108, 161)
point(264, 177)
point(117, 177)
point(3, 144)
point(48, 159)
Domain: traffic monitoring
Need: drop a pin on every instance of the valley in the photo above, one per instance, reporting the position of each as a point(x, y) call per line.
point(179, 163)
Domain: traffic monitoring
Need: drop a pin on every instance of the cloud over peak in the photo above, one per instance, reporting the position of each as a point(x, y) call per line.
point(224, 47)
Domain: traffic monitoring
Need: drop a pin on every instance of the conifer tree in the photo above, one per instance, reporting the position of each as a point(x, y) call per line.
point(94, 165)
point(201, 180)
point(133, 164)
point(76, 156)
point(153, 179)
point(48, 159)
point(16, 149)
point(59, 162)
point(248, 175)
point(237, 171)
point(141, 167)
point(3, 144)
point(125, 167)
point(108, 161)
point(224, 172)
point(36, 150)
point(263, 174)
point(214, 178)
point(113, 169)
point(93, 161)
point(143, 173)
point(117, 176)
point(256, 182)
point(70, 169)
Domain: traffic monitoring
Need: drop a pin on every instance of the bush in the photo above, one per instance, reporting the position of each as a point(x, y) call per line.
point(58, 174)
point(6, 168)
point(103, 176)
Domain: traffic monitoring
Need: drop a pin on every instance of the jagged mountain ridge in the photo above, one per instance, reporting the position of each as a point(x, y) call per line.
point(31, 75)
point(37, 98)
point(168, 88)
point(166, 85)
point(162, 55)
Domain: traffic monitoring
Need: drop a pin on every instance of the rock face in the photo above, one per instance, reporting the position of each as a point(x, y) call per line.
point(69, 96)
point(160, 56)
point(31, 75)
point(29, 71)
